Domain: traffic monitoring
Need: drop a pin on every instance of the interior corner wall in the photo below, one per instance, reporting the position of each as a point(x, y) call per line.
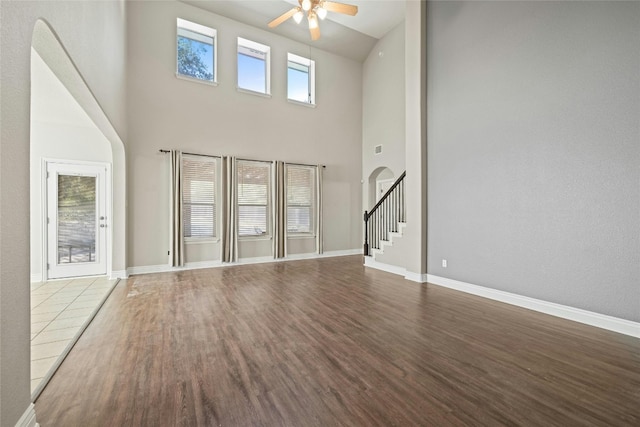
point(84, 28)
point(166, 112)
point(60, 129)
point(383, 108)
point(533, 150)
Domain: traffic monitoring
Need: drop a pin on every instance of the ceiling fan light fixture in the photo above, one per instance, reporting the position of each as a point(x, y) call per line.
point(306, 5)
point(313, 20)
point(298, 16)
point(321, 12)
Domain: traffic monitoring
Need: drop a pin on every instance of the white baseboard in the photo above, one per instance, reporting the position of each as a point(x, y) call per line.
point(118, 274)
point(415, 277)
point(28, 419)
point(598, 320)
point(36, 277)
point(369, 261)
point(163, 268)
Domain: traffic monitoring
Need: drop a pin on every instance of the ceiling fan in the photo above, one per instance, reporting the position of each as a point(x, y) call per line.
point(315, 9)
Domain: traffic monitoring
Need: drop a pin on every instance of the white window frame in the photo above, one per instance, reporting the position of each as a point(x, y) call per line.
point(311, 64)
point(258, 51)
point(267, 234)
point(207, 32)
point(313, 207)
point(216, 198)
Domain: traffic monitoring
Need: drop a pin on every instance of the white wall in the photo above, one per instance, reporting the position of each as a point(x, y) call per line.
point(383, 109)
point(61, 130)
point(534, 147)
point(171, 113)
point(91, 32)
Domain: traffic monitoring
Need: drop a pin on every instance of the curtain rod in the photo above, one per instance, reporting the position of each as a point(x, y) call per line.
point(248, 160)
point(191, 154)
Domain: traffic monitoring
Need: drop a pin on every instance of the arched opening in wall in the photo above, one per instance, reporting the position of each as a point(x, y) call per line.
point(76, 205)
point(380, 180)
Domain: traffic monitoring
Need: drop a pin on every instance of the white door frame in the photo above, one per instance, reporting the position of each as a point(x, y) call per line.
point(379, 185)
point(45, 207)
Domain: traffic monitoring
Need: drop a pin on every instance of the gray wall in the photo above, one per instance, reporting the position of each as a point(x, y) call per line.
point(171, 113)
point(534, 149)
point(90, 31)
point(383, 109)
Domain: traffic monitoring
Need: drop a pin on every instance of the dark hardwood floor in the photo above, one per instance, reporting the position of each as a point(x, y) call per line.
point(326, 342)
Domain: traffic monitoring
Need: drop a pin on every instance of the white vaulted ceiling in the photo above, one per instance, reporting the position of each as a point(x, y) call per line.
point(349, 36)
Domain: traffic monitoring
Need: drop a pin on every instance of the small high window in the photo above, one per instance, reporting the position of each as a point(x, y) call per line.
point(301, 79)
point(253, 66)
point(196, 51)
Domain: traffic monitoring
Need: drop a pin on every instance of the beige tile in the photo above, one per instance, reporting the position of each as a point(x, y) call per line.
point(95, 291)
point(40, 368)
point(76, 305)
point(45, 337)
point(37, 327)
point(93, 299)
point(62, 298)
point(65, 323)
point(35, 383)
point(42, 351)
point(44, 317)
point(44, 290)
point(75, 313)
point(49, 308)
point(38, 299)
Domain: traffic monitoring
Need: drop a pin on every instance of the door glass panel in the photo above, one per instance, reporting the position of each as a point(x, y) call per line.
point(76, 219)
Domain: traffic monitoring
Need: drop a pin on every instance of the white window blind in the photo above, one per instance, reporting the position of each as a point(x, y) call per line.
point(253, 198)
point(300, 198)
point(199, 196)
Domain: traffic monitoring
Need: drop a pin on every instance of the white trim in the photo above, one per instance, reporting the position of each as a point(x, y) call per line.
point(28, 419)
point(393, 269)
point(590, 318)
point(36, 277)
point(195, 80)
point(118, 274)
point(415, 277)
point(163, 268)
point(598, 320)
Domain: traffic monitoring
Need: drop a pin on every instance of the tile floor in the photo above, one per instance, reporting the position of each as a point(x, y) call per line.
point(59, 309)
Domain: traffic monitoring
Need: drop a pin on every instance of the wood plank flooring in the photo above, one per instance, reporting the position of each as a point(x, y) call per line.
point(326, 343)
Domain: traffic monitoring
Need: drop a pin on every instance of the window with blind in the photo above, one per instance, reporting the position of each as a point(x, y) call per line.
point(300, 199)
point(253, 66)
point(253, 198)
point(199, 197)
point(196, 51)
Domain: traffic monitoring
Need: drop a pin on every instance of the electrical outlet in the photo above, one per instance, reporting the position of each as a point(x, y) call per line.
point(444, 263)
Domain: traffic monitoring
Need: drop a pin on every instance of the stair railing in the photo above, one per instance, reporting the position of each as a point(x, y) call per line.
point(384, 217)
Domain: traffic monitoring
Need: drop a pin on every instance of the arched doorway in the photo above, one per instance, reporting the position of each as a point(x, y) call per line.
point(70, 130)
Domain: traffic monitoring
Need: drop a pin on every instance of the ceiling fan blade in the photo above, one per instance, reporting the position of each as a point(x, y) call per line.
point(315, 33)
point(347, 9)
point(280, 19)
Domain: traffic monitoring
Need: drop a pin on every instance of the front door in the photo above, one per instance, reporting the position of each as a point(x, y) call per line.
point(76, 220)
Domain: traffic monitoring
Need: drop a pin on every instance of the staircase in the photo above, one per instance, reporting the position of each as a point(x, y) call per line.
point(386, 220)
